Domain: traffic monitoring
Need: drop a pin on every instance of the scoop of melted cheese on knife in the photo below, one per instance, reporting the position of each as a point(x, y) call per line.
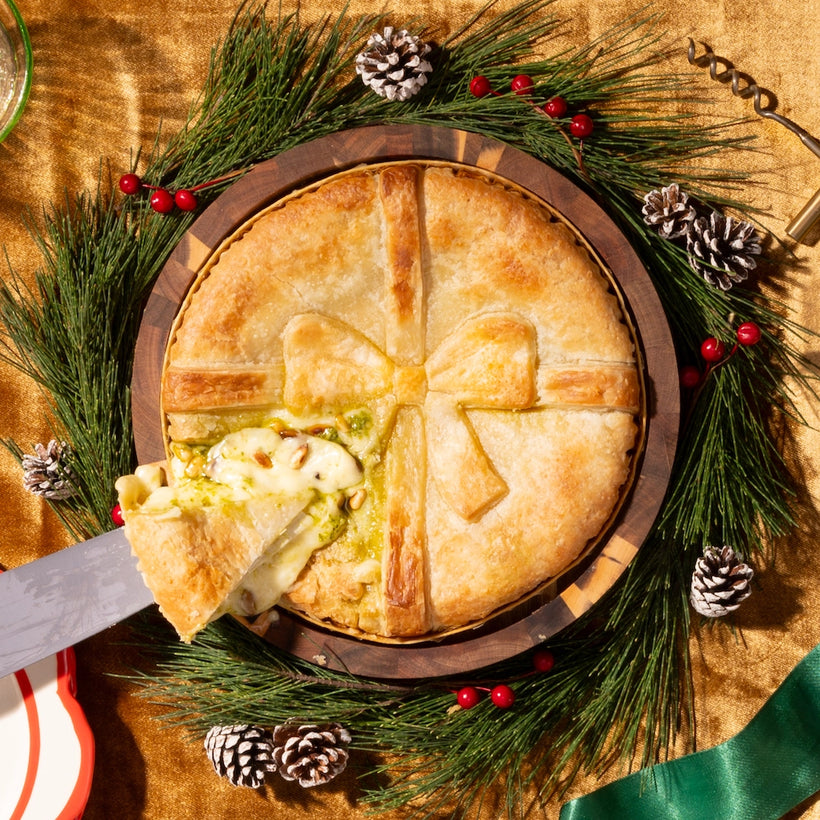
point(233, 525)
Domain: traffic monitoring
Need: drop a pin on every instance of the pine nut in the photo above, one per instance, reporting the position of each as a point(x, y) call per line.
point(262, 459)
point(357, 499)
point(299, 457)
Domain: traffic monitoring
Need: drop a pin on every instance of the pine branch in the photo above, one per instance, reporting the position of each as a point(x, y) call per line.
point(74, 336)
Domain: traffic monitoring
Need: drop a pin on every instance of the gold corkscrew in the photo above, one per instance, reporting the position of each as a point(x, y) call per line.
point(742, 87)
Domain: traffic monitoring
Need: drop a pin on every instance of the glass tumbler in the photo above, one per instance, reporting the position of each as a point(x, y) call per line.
point(15, 66)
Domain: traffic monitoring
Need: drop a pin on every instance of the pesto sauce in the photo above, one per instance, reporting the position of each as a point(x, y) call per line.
point(359, 422)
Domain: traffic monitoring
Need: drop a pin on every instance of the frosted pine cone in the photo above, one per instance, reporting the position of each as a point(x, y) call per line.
point(722, 249)
point(242, 753)
point(47, 473)
point(393, 64)
point(310, 754)
point(720, 582)
point(669, 211)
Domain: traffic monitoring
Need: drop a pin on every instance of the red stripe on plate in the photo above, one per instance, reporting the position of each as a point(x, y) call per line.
point(67, 691)
point(34, 744)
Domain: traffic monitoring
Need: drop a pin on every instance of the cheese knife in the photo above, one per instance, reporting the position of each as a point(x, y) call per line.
point(56, 601)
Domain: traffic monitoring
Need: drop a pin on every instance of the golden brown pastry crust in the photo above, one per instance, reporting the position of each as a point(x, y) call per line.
point(490, 350)
point(194, 559)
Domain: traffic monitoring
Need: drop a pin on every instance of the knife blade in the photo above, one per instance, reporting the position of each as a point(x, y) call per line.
point(56, 601)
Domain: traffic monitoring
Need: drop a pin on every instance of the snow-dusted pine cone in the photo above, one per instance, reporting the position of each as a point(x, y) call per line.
point(393, 64)
point(47, 473)
point(242, 753)
point(720, 582)
point(722, 249)
point(669, 211)
point(310, 754)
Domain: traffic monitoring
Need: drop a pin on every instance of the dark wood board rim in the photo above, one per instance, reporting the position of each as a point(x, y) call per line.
point(467, 650)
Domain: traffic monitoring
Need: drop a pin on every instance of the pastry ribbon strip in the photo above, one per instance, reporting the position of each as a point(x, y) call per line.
point(486, 362)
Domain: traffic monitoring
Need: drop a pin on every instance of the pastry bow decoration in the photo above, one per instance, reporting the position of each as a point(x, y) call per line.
point(486, 362)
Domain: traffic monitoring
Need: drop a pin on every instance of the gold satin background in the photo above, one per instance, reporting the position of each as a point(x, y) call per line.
point(106, 74)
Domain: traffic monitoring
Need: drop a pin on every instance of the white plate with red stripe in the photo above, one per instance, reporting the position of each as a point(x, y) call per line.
point(46, 745)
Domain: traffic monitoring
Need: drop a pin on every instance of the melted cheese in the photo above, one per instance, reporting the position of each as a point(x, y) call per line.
point(259, 461)
point(257, 468)
point(251, 463)
point(277, 570)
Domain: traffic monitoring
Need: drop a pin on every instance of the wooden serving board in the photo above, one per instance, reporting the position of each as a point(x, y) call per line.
point(521, 627)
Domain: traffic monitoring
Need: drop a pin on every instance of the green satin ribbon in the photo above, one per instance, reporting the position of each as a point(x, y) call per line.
point(768, 768)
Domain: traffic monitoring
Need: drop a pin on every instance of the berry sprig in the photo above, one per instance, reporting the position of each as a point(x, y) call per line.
point(502, 695)
point(714, 354)
point(581, 125)
point(164, 201)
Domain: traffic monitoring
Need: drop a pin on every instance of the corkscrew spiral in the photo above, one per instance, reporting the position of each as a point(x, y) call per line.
point(742, 87)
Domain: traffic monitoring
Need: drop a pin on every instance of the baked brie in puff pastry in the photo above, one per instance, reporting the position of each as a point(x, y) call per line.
point(457, 344)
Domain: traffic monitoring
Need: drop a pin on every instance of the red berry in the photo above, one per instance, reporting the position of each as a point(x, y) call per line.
point(502, 696)
point(468, 697)
point(522, 84)
point(556, 107)
point(748, 333)
point(543, 660)
point(130, 183)
point(480, 86)
point(117, 516)
point(689, 376)
point(581, 126)
point(162, 202)
point(185, 200)
point(712, 349)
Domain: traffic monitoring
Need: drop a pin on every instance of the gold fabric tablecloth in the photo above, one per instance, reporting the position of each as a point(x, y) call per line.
point(107, 73)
